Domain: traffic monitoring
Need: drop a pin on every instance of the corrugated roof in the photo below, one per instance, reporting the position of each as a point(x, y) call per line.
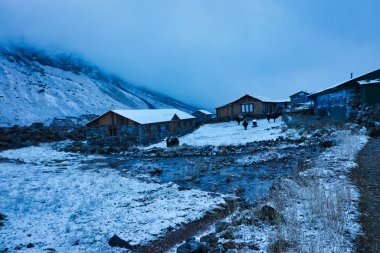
point(148, 116)
point(366, 76)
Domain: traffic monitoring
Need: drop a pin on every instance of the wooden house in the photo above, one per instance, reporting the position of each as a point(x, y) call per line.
point(136, 127)
point(248, 106)
point(341, 100)
point(202, 116)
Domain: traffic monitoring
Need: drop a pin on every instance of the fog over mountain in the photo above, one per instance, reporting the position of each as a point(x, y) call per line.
point(38, 87)
point(207, 52)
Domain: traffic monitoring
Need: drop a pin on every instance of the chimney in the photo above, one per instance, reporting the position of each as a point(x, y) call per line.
point(352, 75)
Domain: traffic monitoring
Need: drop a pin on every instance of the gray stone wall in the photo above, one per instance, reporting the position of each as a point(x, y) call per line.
point(127, 136)
point(201, 117)
point(99, 136)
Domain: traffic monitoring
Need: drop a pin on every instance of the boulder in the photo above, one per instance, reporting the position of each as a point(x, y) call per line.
point(279, 246)
point(30, 245)
point(269, 214)
point(192, 246)
point(210, 239)
point(221, 226)
point(116, 241)
point(2, 219)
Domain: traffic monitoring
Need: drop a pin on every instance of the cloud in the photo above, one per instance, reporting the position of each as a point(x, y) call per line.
point(207, 52)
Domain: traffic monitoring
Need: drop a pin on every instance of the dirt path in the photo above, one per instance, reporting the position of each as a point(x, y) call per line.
point(171, 239)
point(367, 178)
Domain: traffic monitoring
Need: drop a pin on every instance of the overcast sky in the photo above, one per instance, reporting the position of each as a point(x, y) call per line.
point(208, 52)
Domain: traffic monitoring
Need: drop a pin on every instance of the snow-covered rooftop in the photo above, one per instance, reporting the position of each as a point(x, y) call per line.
point(358, 79)
point(364, 82)
point(148, 116)
point(205, 112)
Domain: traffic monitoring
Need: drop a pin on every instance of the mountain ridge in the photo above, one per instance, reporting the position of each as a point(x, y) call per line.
point(37, 87)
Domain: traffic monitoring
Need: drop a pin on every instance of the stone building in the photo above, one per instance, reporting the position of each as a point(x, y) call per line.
point(126, 128)
point(202, 116)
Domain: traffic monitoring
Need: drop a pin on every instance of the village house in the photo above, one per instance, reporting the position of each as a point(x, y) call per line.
point(138, 127)
point(299, 99)
point(340, 101)
point(202, 116)
point(248, 106)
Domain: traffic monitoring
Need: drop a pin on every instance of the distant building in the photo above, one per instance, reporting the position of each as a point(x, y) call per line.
point(249, 106)
point(202, 116)
point(138, 127)
point(300, 98)
point(341, 100)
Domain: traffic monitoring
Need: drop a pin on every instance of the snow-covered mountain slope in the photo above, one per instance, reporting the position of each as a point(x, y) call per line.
point(36, 87)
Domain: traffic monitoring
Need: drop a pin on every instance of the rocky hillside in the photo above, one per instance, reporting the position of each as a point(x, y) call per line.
point(36, 87)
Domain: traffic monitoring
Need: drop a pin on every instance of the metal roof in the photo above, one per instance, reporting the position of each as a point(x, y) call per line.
point(149, 116)
point(353, 81)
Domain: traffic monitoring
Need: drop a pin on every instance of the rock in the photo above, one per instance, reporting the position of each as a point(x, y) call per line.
point(374, 131)
point(2, 219)
point(221, 226)
point(269, 214)
point(191, 246)
point(279, 246)
point(227, 234)
point(30, 245)
point(116, 241)
point(37, 125)
point(327, 143)
point(229, 245)
point(317, 133)
point(301, 131)
point(210, 239)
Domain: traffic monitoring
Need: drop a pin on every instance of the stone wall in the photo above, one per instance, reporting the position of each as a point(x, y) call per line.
point(127, 136)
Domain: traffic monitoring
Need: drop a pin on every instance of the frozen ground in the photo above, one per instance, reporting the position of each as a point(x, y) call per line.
point(230, 133)
point(58, 200)
point(320, 204)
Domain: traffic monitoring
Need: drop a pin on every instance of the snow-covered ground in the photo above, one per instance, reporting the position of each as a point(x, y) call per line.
point(61, 201)
point(320, 204)
point(230, 133)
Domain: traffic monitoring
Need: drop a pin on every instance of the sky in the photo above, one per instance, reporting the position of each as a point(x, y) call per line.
point(207, 52)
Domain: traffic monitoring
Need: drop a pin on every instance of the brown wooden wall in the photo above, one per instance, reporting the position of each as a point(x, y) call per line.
point(234, 109)
point(111, 119)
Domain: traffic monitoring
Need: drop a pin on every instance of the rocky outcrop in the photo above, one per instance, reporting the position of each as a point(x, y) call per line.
point(116, 241)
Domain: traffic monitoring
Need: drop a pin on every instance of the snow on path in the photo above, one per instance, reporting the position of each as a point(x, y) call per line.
point(230, 133)
point(54, 201)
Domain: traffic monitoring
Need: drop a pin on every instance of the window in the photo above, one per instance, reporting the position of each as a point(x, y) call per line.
point(185, 123)
point(246, 108)
point(163, 129)
point(112, 131)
